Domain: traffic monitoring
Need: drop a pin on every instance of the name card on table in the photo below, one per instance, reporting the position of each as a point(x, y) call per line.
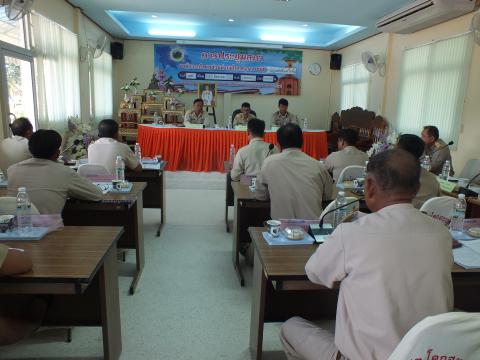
point(194, 126)
point(446, 186)
point(241, 127)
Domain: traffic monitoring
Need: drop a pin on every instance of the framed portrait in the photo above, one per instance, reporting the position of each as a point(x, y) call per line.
point(208, 93)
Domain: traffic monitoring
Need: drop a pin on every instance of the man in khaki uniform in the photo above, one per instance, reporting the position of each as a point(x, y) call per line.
point(347, 155)
point(429, 186)
point(282, 116)
point(49, 182)
point(437, 149)
point(197, 115)
point(244, 116)
point(105, 150)
point(249, 159)
point(15, 149)
point(394, 266)
point(295, 183)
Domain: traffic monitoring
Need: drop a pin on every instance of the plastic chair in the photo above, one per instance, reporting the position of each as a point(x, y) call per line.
point(452, 335)
point(440, 208)
point(87, 170)
point(351, 172)
point(350, 209)
point(471, 168)
point(8, 206)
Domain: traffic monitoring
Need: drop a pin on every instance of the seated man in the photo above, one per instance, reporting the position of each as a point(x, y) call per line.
point(249, 158)
point(429, 186)
point(105, 150)
point(49, 182)
point(244, 116)
point(282, 116)
point(437, 149)
point(295, 182)
point(347, 155)
point(197, 115)
point(15, 149)
point(394, 266)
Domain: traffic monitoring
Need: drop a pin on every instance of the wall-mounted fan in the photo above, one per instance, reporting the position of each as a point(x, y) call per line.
point(374, 63)
point(93, 48)
point(475, 27)
point(16, 9)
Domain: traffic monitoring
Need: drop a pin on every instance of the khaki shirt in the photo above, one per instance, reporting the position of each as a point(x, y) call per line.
point(49, 183)
point(3, 253)
point(279, 119)
point(295, 183)
point(395, 269)
point(339, 160)
point(12, 151)
point(438, 158)
point(241, 119)
point(429, 188)
point(104, 151)
point(193, 118)
point(249, 159)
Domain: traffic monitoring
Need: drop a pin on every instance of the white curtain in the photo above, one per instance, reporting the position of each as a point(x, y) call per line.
point(102, 87)
point(434, 81)
point(57, 73)
point(354, 86)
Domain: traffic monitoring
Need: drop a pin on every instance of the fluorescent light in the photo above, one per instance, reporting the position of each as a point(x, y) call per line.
point(305, 25)
point(231, 20)
point(154, 16)
point(229, 44)
point(282, 38)
point(176, 33)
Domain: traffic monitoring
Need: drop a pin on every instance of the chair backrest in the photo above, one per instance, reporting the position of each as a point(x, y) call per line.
point(350, 172)
point(87, 170)
point(238, 111)
point(8, 206)
point(440, 208)
point(350, 209)
point(452, 335)
point(471, 168)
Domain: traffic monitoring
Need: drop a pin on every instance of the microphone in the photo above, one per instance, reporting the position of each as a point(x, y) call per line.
point(75, 143)
point(441, 148)
point(270, 148)
point(465, 190)
point(321, 230)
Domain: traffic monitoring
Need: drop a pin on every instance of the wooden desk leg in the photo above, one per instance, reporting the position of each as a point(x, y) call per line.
point(162, 202)
point(258, 309)
point(236, 241)
point(110, 307)
point(140, 254)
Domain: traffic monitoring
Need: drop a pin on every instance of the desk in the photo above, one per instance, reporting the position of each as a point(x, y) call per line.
point(281, 288)
point(114, 210)
point(248, 212)
point(78, 267)
point(154, 193)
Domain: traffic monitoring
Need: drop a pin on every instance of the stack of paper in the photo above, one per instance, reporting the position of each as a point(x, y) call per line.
point(468, 256)
point(282, 240)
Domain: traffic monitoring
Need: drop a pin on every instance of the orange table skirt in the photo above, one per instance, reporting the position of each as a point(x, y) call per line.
point(207, 150)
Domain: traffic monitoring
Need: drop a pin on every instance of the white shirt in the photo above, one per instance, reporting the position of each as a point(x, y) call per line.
point(12, 151)
point(249, 159)
point(104, 151)
point(339, 160)
point(395, 269)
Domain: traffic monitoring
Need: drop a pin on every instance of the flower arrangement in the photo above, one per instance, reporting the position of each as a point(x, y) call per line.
point(134, 83)
point(382, 141)
point(78, 137)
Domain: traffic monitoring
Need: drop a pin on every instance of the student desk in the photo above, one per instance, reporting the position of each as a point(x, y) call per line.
point(78, 267)
point(114, 210)
point(248, 211)
point(281, 288)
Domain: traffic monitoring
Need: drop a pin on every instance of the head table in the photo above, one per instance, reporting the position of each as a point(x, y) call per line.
point(206, 150)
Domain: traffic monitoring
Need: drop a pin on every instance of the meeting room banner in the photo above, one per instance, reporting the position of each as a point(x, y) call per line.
point(233, 70)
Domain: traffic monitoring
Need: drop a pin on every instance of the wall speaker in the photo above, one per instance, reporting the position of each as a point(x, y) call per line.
point(116, 49)
point(335, 61)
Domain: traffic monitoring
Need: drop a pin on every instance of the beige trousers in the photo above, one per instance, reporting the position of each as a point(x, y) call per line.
point(303, 340)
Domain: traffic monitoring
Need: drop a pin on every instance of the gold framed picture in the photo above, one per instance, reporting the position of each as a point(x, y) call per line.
point(208, 93)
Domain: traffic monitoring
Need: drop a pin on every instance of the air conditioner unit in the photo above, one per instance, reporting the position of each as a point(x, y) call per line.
point(421, 14)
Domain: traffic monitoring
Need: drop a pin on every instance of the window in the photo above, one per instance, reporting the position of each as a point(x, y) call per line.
point(12, 32)
point(432, 91)
point(354, 86)
point(57, 71)
point(102, 87)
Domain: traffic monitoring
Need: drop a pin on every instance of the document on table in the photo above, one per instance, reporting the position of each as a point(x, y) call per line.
point(468, 256)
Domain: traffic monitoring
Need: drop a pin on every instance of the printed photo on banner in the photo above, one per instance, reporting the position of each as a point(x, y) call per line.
point(208, 93)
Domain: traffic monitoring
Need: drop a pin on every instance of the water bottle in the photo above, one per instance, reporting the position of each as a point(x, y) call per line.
point(365, 170)
point(458, 217)
point(119, 169)
point(155, 118)
point(305, 123)
point(229, 122)
point(24, 216)
point(340, 214)
point(138, 152)
point(445, 170)
point(426, 163)
point(232, 153)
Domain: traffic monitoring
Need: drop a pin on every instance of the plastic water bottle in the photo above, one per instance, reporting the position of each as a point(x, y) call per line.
point(458, 217)
point(305, 123)
point(24, 216)
point(119, 169)
point(138, 152)
point(365, 170)
point(232, 153)
point(446, 170)
point(156, 118)
point(426, 163)
point(229, 122)
point(340, 214)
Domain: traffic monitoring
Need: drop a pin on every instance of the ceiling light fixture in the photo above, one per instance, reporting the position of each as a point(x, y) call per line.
point(282, 38)
point(231, 20)
point(173, 33)
point(154, 16)
point(305, 25)
point(230, 44)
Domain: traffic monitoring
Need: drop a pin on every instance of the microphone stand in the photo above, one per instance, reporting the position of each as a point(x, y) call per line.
point(321, 230)
point(466, 191)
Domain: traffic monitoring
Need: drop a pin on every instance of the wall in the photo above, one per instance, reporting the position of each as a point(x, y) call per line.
point(312, 103)
point(386, 91)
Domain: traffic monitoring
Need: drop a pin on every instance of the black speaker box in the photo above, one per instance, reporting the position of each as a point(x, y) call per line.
point(116, 49)
point(335, 61)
